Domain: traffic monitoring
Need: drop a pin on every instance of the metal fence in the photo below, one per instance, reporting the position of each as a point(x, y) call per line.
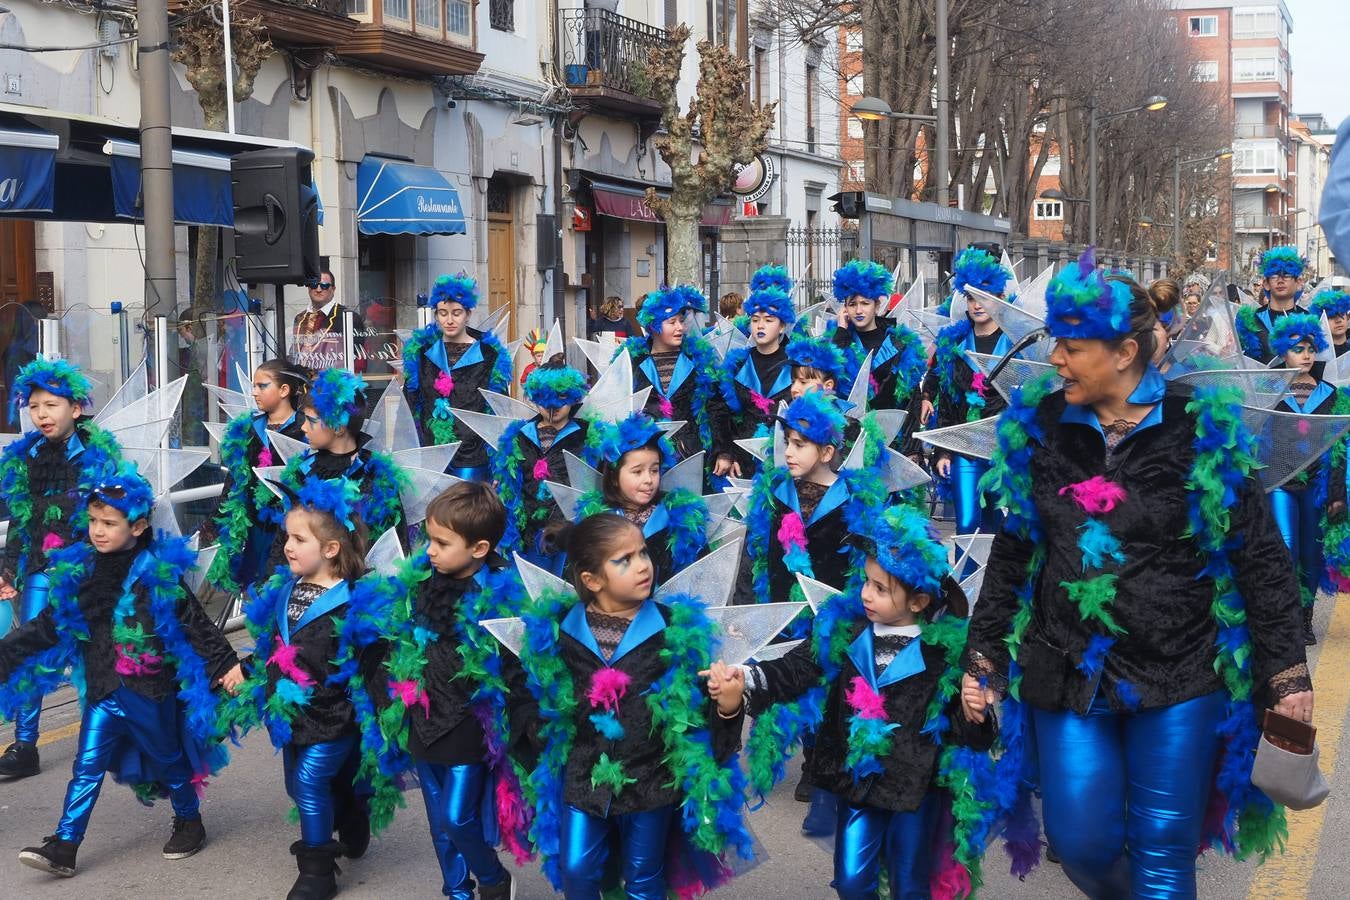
point(598, 48)
point(814, 253)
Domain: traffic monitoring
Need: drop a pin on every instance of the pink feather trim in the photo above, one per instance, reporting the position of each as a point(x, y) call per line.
point(513, 818)
point(979, 384)
point(792, 533)
point(411, 693)
point(950, 880)
point(265, 457)
point(1304, 426)
point(1094, 496)
point(52, 541)
point(131, 663)
point(607, 688)
point(444, 384)
point(541, 468)
point(762, 403)
point(283, 657)
point(865, 700)
point(200, 784)
point(667, 410)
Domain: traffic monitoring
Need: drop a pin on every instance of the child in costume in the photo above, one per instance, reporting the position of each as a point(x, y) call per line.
point(148, 658)
point(333, 411)
point(1335, 305)
point(878, 682)
point(761, 374)
point(39, 476)
point(817, 365)
point(1300, 504)
point(634, 757)
point(684, 373)
point(536, 343)
point(448, 682)
point(1282, 281)
point(862, 288)
point(305, 683)
point(444, 365)
point(960, 392)
point(244, 536)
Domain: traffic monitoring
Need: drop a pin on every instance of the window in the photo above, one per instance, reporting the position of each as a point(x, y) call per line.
point(857, 171)
point(358, 7)
point(853, 41)
point(1256, 69)
point(855, 85)
point(811, 79)
point(761, 76)
point(1049, 209)
point(1208, 207)
point(1203, 26)
point(1255, 23)
point(459, 17)
point(1258, 158)
point(502, 15)
point(396, 9)
point(855, 128)
point(1051, 166)
point(672, 14)
point(1205, 70)
point(1212, 253)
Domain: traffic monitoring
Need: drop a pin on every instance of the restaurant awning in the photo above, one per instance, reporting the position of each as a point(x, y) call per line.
point(27, 169)
point(625, 201)
point(403, 198)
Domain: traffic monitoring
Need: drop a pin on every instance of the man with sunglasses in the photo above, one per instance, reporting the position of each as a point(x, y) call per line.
point(1282, 286)
point(317, 331)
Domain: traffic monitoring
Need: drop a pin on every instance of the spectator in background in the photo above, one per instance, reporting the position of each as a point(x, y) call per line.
point(316, 334)
point(536, 342)
point(731, 305)
point(1335, 214)
point(613, 319)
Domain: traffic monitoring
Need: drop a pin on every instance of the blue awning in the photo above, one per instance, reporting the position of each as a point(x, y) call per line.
point(402, 198)
point(202, 192)
point(27, 170)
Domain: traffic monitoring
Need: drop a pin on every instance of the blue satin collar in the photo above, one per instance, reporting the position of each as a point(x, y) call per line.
point(531, 431)
point(329, 600)
point(1150, 390)
point(748, 377)
point(646, 623)
point(436, 353)
point(909, 661)
point(683, 367)
point(74, 446)
point(260, 426)
point(1319, 394)
point(835, 496)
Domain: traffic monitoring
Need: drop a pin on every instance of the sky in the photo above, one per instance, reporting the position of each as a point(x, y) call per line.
point(1318, 49)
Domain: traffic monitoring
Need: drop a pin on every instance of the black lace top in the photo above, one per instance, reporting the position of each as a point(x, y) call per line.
point(608, 630)
point(303, 596)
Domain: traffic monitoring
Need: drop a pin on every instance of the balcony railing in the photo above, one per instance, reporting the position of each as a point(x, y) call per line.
point(1251, 132)
point(502, 15)
point(604, 49)
point(1259, 222)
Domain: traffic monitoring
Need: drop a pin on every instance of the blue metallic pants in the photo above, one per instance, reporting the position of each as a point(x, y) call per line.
point(32, 601)
point(966, 475)
point(315, 775)
point(151, 728)
point(1125, 794)
point(1300, 520)
point(454, 798)
point(869, 838)
point(642, 846)
point(470, 473)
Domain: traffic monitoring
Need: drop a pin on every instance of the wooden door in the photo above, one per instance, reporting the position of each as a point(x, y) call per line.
point(18, 261)
point(502, 265)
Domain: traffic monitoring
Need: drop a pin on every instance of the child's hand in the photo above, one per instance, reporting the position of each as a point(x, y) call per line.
point(976, 698)
point(231, 680)
point(7, 591)
point(726, 685)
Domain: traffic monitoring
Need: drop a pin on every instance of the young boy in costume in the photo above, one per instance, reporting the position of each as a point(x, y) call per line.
point(39, 476)
point(149, 656)
point(862, 288)
point(444, 365)
point(1335, 305)
point(817, 365)
point(761, 373)
point(1282, 284)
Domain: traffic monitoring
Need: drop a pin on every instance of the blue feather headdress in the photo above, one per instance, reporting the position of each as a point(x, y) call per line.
point(125, 490)
point(667, 303)
point(1282, 261)
point(1082, 303)
point(1295, 328)
point(550, 387)
point(337, 497)
point(336, 396)
point(55, 376)
point(815, 417)
point(815, 353)
point(1331, 303)
point(861, 277)
point(980, 269)
point(766, 277)
point(459, 289)
point(904, 542)
point(636, 431)
point(771, 301)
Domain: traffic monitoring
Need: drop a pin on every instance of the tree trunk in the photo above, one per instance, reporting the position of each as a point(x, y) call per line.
point(208, 240)
point(682, 246)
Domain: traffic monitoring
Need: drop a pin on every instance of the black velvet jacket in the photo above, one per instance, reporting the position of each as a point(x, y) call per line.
point(884, 373)
point(539, 512)
point(468, 379)
point(1163, 600)
point(772, 370)
point(1262, 334)
point(640, 750)
point(910, 768)
point(830, 556)
point(52, 482)
point(210, 527)
point(687, 441)
point(97, 599)
point(954, 409)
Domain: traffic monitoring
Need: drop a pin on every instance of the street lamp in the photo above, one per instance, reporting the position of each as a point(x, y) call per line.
point(1178, 162)
point(1152, 104)
point(874, 109)
point(1057, 194)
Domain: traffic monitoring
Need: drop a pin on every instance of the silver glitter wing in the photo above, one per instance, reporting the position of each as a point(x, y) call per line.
point(554, 345)
point(1288, 442)
point(567, 498)
point(745, 630)
point(510, 407)
point(386, 553)
point(686, 474)
point(1260, 387)
point(487, 426)
point(709, 579)
point(195, 576)
point(580, 474)
point(286, 447)
point(857, 395)
point(977, 439)
point(816, 592)
point(391, 425)
point(1012, 376)
point(423, 486)
point(436, 458)
point(164, 468)
point(776, 651)
point(537, 581)
point(510, 633)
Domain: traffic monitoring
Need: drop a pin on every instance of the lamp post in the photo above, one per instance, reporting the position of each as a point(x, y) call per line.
point(1178, 162)
point(1152, 104)
point(874, 109)
point(1057, 194)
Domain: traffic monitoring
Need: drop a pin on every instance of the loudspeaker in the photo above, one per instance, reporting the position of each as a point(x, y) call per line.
point(546, 236)
point(276, 216)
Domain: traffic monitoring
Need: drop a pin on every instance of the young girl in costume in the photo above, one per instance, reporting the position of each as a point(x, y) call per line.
point(1300, 504)
point(447, 683)
point(146, 658)
point(1335, 305)
point(444, 365)
point(634, 757)
point(684, 373)
point(1282, 282)
point(245, 538)
point(862, 287)
point(39, 474)
point(961, 393)
point(333, 412)
point(760, 374)
point(305, 682)
point(878, 681)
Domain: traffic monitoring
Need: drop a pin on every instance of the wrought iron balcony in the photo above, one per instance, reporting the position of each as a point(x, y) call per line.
point(603, 56)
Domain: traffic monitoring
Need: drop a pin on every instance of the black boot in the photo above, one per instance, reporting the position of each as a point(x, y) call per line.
point(318, 871)
point(354, 830)
point(19, 760)
point(802, 793)
point(1309, 639)
point(55, 856)
point(821, 814)
point(188, 837)
point(504, 891)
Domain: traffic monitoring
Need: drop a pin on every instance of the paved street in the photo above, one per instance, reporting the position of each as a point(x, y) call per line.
point(246, 820)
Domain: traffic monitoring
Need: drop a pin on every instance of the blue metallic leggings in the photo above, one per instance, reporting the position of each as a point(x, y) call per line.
point(151, 727)
point(1300, 522)
point(1125, 794)
point(642, 845)
point(32, 601)
point(470, 473)
point(454, 797)
point(315, 776)
point(868, 838)
point(966, 475)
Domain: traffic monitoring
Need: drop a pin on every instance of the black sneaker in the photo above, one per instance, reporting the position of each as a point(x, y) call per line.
point(55, 856)
point(19, 760)
point(188, 837)
point(504, 891)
